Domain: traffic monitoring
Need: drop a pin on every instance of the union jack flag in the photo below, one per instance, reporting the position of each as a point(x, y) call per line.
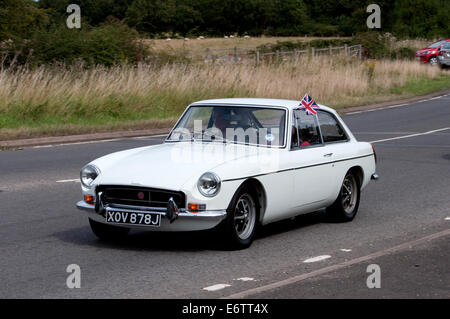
point(309, 105)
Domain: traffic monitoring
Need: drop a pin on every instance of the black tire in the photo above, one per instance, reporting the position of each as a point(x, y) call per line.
point(108, 232)
point(239, 228)
point(443, 66)
point(346, 205)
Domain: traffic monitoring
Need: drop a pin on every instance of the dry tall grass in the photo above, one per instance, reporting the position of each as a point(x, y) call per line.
point(53, 96)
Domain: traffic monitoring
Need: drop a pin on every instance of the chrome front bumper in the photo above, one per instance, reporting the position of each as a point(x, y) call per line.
point(186, 221)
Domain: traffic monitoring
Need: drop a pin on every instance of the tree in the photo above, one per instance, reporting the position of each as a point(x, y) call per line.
point(20, 18)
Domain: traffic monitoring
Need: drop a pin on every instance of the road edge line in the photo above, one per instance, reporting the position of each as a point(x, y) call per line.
point(410, 135)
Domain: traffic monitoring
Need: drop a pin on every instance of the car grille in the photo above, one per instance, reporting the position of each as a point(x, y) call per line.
point(139, 196)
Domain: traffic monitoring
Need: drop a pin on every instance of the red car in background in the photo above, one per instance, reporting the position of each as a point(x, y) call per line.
point(430, 53)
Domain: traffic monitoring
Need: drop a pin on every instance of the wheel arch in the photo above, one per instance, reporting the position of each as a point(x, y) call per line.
point(433, 56)
point(261, 197)
point(359, 173)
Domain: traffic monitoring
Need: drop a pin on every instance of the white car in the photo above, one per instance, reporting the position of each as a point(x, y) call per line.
point(231, 164)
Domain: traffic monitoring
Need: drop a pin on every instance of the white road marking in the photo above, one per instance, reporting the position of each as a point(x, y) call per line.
point(149, 136)
point(75, 180)
point(216, 287)
point(79, 143)
point(373, 110)
point(411, 135)
point(100, 141)
point(325, 270)
point(394, 106)
point(384, 133)
point(246, 279)
point(346, 250)
point(447, 218)
point(316, 259)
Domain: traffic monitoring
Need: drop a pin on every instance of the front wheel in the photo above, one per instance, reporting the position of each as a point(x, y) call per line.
point(240, 226)
point(345, 207)
point(433, 60)
point(108, 232)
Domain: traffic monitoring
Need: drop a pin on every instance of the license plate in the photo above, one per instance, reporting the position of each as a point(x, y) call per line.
point(133, 218)
point(417, 58)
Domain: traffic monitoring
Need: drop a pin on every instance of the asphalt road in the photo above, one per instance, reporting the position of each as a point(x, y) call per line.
point(41, 231)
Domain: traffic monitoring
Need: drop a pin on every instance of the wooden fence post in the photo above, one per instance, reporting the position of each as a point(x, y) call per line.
point(331, 50)
point(257, 57)
point(312, 52)
point(345, 49)
point(235, 54)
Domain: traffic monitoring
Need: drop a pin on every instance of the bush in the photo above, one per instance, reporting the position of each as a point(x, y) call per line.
point(106, 45)
point(375, 45)
point(382, 46)
point(403, 53)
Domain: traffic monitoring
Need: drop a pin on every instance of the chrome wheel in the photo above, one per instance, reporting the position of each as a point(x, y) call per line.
point(244, 216)
point(349, 194)
point(433, 61)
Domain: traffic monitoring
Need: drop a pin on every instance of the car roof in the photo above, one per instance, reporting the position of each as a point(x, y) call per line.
point(255, 102)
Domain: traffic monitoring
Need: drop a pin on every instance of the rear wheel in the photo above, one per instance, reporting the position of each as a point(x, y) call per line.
point(108, 232)
point(239, 228)
point(345, 207)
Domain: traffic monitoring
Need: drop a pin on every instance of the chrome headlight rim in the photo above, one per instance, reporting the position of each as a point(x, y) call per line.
point(95, 170)
point(212, 176)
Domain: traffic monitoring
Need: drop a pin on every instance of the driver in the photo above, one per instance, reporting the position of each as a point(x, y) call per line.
point(219, 119)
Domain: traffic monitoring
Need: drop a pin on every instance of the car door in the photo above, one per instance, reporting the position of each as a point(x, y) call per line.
point(338, 147)
point(311, 163)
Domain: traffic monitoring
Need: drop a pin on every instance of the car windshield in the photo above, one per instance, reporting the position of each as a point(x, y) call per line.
point(232, 124)
point(436, 44)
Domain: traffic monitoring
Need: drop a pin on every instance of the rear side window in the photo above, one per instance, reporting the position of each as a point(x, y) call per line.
point(332, 131)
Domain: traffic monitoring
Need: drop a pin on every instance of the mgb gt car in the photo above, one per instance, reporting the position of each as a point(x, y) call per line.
point(231, 165)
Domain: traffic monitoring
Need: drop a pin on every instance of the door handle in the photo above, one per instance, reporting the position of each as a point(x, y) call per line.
point(328, 155)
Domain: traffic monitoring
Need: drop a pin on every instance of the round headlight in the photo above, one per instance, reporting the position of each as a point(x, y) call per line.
point(209, 184)
point(88, 174)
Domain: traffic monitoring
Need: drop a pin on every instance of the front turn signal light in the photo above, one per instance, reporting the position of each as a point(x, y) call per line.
point(89, 199)
point(193, 208)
